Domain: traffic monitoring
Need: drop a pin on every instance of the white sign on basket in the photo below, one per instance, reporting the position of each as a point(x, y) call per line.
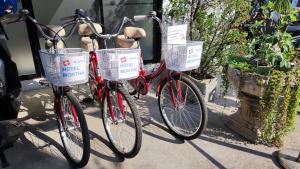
point(177, 34)
point(129, 65)
point(193, 57)
point(73, 68)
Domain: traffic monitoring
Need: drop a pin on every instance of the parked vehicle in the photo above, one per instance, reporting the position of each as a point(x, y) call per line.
point(108, 67)
point(180, 101)
point(61, 66)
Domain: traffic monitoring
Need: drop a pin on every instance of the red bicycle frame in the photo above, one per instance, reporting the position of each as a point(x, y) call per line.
point(58, 108)
point(145, 80)
point(104, 86)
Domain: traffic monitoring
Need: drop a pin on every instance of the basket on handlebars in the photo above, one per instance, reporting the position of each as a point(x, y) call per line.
point(119, 63)
point(65, 67)
point(183, 57)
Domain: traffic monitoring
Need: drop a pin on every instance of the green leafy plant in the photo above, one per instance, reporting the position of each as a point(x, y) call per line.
point(214, 22)
point(268, 46)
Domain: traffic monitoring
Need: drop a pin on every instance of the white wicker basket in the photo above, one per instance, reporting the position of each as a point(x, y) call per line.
point(65, 67)
point(119, 63)
point(183, 57)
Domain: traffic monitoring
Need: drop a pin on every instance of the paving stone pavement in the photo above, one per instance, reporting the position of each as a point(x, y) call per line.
point(218, 147)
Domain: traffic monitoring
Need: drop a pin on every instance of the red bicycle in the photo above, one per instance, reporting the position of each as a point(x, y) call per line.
point(180, 101)
point(64, 67)
point(108, 67)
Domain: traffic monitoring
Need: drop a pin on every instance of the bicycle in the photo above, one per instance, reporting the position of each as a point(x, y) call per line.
point(105, 76)
point(180, 101)
point(71, 122)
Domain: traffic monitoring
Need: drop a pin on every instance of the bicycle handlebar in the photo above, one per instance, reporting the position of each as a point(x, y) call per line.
point(81, 17)
point(24, 14)
point(152, 15)
point(138, 18)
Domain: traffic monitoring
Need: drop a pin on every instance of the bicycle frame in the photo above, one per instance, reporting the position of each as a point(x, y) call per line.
point(105, 86)
point(145, 80)
point(58, 94)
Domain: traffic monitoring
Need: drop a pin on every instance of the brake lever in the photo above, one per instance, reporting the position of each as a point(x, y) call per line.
point(68, 18)
point(130, 20)
point(18, 20)
point(153, 14)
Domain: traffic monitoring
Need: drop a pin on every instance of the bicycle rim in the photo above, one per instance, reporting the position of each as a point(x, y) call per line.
point(184, 117)
point(70, 131)
point(122, 132)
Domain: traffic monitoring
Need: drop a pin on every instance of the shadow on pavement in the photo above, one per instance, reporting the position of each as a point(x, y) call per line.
point(27, 157)
point(217, 133)
point(99, 153)
point(150, 116)
point(209, 157)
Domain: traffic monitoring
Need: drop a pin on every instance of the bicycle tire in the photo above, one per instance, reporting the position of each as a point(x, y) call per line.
point(137, 124)
point(202, 108)
point(84, 132)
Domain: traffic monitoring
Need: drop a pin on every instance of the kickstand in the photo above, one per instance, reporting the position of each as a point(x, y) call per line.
point(3, 159)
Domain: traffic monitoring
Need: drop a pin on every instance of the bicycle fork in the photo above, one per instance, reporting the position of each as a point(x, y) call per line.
point(181, 98)
point(60, 112)
point(110, 105)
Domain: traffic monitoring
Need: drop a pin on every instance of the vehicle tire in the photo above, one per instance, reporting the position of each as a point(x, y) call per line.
point(114, 129)
point(77, 159)
point(184, 112)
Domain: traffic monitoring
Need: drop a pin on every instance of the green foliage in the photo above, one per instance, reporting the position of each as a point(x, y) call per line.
point(294, 103)
point(269, 106)
point(282, 6)
point(270, 43)
point(269, 51)
point(212, 21)
point(279, 106)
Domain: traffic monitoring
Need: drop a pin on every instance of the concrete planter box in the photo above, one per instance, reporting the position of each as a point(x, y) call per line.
point(247, 120)
point(207, 87)
point(250, 84)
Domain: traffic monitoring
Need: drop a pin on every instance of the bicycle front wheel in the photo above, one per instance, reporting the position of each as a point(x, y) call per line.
point(122, 122)
point(73, 130)
point(182, 107)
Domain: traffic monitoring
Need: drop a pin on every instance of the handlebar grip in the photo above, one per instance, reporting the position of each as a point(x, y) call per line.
point(24, 11)
point(140, 18)
point(11, 18)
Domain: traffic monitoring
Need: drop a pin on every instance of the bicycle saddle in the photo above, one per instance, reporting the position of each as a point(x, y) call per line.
point(125, 42)
point(134, 32)
point(85, 30)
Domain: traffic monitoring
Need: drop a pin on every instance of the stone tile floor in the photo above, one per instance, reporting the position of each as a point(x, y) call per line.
point(218, 147)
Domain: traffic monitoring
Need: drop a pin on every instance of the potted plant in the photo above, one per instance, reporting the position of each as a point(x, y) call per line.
point(211, 21)
point(266, 73)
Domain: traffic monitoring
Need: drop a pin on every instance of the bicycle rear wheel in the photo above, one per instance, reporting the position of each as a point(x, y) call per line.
point(125, 131)
point(182, 107)
point(73, 130)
